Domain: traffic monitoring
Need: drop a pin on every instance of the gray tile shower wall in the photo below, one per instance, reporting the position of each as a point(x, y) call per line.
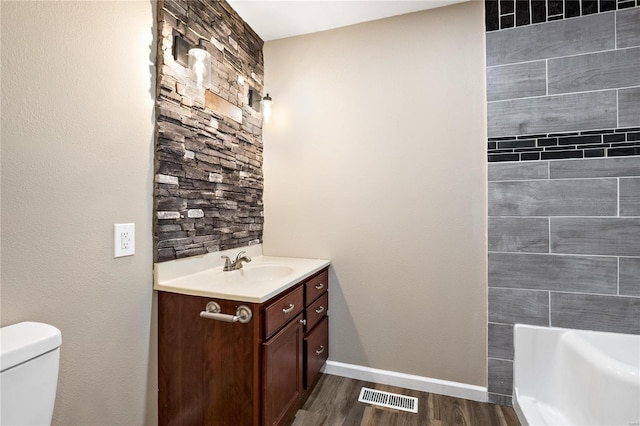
point(208, 166)
point(579, 74)
point(594, 71)
point(629, 273)
point(552, 40)
point(564, 171)
point(556, 263)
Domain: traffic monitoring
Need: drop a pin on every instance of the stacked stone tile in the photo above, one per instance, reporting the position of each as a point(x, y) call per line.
point(208, 167)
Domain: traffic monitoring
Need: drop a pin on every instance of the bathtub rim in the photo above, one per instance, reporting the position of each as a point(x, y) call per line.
point(520, 402)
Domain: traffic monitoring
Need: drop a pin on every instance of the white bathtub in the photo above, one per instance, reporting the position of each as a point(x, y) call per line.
point(574, 377)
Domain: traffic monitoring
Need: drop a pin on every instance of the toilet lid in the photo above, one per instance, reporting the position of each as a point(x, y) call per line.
point(26, 340)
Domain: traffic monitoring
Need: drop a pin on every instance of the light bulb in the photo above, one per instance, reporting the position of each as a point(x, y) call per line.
point(266, 107)
point(199, 53)
point(200, 66)
point(198, 70)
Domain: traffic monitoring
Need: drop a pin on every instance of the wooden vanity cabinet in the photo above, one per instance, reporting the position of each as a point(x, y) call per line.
point(218, 373)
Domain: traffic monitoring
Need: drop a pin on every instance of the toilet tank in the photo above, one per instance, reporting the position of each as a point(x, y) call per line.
point(29, 360)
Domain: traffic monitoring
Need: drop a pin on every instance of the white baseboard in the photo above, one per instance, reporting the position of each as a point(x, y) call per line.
point(407, 381)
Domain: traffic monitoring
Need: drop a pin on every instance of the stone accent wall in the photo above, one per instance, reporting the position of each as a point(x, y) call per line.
point(208, 167)
point(563, 179)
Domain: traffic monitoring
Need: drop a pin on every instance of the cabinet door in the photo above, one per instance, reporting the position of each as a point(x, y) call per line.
point(282, 385)
point(316, 346)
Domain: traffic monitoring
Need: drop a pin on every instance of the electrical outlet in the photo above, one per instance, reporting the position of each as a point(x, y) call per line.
point(124, 239)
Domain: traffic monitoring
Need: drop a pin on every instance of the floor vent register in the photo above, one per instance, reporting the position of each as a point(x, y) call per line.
point(389, 400)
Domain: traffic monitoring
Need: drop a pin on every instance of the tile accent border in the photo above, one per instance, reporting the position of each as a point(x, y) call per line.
point(503, 14)
point(557, 146)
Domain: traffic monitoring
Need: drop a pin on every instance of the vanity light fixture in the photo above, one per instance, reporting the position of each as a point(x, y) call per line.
point(259, 103)
point(254, 98)
point(180, 49)
point(266, 108)
point(200, 66)
point(196, 58)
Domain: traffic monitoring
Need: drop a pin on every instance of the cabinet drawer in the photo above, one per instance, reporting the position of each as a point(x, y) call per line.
point(316, 351)
point(316, 286)
point(280, 311)
point(316, 311)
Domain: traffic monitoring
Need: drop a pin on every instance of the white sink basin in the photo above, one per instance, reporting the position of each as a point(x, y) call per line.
point(257, 281)
point(261, 272)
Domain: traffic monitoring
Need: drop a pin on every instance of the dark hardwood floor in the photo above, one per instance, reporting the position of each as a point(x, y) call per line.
point(334, 401)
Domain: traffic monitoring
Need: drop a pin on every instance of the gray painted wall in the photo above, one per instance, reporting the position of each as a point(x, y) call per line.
point(77, 153)
point(564, 235)
point(408, 289)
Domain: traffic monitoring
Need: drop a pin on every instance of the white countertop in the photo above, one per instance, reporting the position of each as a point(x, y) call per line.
point(257, 282)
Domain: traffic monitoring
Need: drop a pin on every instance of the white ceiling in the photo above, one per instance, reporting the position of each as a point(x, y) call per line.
point(274, 19)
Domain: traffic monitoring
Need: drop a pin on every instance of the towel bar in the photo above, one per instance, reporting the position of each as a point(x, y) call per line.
point(212, 311)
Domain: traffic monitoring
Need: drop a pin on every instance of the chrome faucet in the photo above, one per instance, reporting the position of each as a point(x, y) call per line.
point(232, 265)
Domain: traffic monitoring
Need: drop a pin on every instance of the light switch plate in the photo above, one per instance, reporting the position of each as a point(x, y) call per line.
point(124, 239)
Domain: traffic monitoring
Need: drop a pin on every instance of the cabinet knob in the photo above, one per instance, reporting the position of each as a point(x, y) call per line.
point(289, 309)
point(320, 310)
point(319, 351)
point(319, 286)
point(303, 321)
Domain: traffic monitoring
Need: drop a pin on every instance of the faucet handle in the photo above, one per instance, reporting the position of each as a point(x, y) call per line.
point(228, 263)
point(240, 255)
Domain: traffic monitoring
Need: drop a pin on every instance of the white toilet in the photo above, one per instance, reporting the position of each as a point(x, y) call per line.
point(29, 359)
